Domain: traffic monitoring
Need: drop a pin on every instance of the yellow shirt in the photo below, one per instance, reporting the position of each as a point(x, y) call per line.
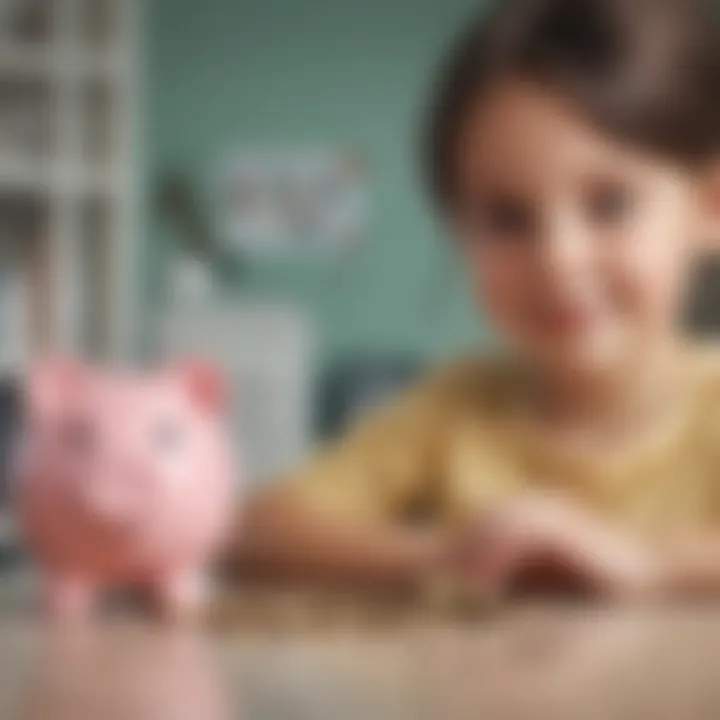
point(455, 443)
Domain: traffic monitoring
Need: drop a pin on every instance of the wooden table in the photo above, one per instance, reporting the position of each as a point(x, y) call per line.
point(533, 662)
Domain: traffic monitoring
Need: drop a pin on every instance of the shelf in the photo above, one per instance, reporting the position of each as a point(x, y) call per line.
point(23, 176)
point(67, 93)
point(85, 181)
point(44, 178)
point(26, 60)
point(92, 64)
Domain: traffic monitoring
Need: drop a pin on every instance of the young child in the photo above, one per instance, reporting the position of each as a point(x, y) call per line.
point(574, 150)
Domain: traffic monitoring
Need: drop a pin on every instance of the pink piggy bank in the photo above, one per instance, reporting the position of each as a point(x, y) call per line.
point(124, 481)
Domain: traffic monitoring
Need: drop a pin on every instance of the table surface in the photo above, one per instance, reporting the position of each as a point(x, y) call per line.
point(528, 662)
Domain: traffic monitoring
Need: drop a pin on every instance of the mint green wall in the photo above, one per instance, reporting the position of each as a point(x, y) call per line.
point(223, 73)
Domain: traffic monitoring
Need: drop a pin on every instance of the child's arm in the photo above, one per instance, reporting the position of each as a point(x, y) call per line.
point(339, 518)
point(284, 538)
point(281, 537)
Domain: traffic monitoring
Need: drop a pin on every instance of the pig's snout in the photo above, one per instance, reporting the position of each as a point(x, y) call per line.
point(112, 503)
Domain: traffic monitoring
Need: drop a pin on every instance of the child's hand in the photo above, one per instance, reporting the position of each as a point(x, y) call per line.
point(554, 539)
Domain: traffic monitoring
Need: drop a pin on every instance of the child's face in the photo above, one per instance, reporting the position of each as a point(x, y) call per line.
point(578, 247)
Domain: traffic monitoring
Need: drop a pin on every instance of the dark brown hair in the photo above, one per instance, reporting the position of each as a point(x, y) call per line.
point(647, 71)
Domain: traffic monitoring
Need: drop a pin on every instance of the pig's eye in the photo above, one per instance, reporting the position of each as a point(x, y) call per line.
point(78, 435)
point(167, 436)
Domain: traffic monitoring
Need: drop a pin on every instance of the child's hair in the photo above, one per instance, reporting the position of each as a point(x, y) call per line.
point(647, 71)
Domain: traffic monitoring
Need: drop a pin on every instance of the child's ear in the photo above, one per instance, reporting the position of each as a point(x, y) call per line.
point(50, 382)
point(203, 383)
point(709, 208)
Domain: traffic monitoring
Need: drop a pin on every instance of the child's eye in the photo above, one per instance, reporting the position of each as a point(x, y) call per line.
point(167, 435)
point(609, 203)
point(78, 435)
point(507, 218)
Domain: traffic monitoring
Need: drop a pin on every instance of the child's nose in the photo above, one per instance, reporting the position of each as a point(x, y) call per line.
point(564, 247)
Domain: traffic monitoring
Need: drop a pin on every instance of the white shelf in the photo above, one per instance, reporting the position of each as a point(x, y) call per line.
point(89, 64)
point(20, 176)
point(26, 60)
point(80, 171)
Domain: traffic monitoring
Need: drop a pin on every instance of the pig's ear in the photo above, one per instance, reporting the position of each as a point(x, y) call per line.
point(50, 382)
point(203, 383)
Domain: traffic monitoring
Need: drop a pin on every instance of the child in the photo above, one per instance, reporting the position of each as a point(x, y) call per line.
point(574, 151)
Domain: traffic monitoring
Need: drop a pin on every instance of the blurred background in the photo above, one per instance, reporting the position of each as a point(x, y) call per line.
point(240, 179)
point(236, 178)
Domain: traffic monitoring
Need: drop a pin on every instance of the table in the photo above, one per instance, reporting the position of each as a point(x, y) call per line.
point(528, 662)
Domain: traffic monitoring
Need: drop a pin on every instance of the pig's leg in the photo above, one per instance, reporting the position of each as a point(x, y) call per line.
point(68, 597)
point(182, 594)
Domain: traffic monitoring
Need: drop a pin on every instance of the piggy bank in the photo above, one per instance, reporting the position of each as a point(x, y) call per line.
point(124, 481)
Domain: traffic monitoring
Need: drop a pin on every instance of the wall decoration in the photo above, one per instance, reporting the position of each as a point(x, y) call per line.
point(290, 201)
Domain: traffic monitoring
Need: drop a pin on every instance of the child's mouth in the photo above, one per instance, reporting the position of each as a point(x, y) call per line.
point(566, 320)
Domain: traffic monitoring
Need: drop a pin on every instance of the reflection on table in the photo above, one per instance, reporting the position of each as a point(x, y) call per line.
point(533, 662)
